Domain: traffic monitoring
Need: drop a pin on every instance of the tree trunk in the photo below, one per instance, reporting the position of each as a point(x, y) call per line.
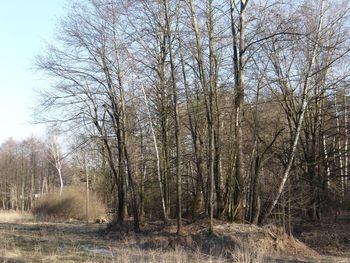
point(176, 117)
point(239, 61)
point(159, 175)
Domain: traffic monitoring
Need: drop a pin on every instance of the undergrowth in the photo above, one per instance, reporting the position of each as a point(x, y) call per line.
point(70, 205)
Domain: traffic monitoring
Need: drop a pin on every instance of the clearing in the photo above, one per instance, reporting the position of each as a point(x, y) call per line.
point(26, 240)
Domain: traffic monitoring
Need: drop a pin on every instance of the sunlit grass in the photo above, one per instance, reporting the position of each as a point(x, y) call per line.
point(24, 239)
point(15, 216)
point(30, 241)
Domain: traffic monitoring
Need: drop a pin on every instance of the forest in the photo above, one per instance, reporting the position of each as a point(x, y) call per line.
point(179, 110)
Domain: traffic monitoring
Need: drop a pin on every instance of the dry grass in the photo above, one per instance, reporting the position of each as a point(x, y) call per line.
point(246, 255)
point(326, 238)
point(76, 242)
point(70, 205)
point(15, 216)
point(59, 242)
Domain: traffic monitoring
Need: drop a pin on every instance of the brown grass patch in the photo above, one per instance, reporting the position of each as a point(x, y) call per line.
point(231, 242)
point(326, 238)
point(77, 242)
point(12, 216)
point(70, 205)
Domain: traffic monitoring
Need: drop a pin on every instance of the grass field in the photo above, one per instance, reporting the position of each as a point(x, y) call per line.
point(23, 239)
point(75, 242)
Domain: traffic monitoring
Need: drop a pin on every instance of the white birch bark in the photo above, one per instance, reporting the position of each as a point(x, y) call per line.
point(346, 144)
point(328, 170)
point(305, 95)
point(157, 154)
point(57, 159)
point(340, 155)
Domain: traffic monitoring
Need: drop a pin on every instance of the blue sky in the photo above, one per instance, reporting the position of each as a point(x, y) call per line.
point(25, 27)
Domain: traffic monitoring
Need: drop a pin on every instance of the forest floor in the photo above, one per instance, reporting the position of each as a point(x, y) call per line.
point(23, 239)
point(329, 237)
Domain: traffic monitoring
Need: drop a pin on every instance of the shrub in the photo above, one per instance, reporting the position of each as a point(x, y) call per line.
point(70, 205)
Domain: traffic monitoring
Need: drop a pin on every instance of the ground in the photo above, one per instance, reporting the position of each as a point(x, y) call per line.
point(24, 239)
point(328, 238)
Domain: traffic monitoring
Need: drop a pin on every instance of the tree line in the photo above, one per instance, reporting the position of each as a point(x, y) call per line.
point(235, 110)
point(30, 169)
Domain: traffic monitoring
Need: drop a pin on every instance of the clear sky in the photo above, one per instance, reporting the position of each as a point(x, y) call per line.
point(25, 27)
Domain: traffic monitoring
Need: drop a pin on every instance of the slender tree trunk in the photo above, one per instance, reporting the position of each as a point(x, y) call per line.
point(239, 61)
point(143, 172)
point(346, 143)
point(204, 83)
point(211, 117)
point(327, 164)
point(159, 175)
point(164, 115)
point(59, 169)
point(340, 151)
point(130, 178)
point(176, 117)
point(87, 196)
point(197, 204)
